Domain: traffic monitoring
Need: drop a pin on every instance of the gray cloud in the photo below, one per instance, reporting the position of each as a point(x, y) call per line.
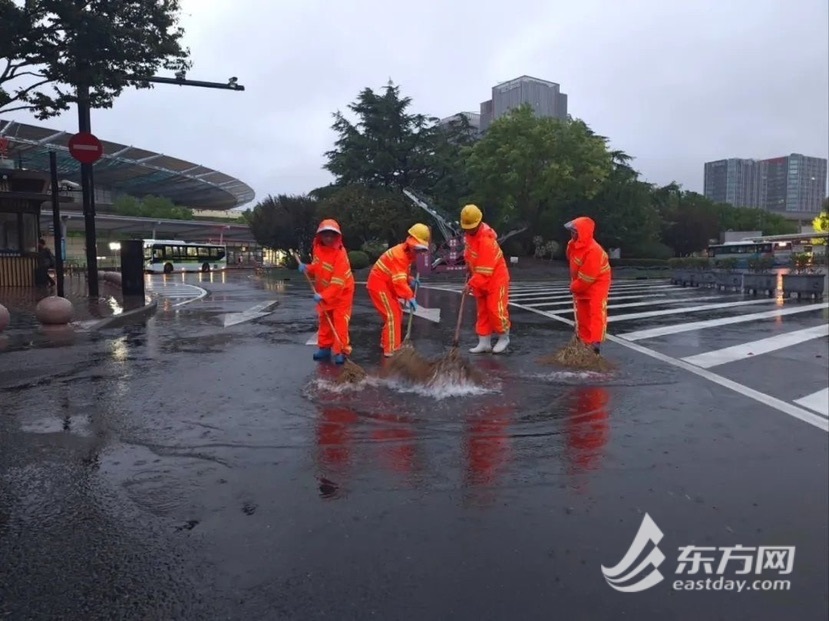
point(672, 83)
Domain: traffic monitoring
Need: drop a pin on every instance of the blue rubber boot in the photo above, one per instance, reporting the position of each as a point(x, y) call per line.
point(339, 359)
point(322, 354)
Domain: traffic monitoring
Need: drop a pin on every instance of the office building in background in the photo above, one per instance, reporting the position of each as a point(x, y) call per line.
point(545, 97)
point(793, 186)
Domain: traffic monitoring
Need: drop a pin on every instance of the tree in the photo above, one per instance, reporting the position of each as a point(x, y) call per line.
point(623, 210)
point(49, 47)
point(526, 167)
point(284, 222)
point(387, 147)
point(369, 215)
point(821, 222)
point(151, 207)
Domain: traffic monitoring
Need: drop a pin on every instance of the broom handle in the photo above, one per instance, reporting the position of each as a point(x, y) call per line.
point(457, 338)
point(327, 315)
point(411, 315)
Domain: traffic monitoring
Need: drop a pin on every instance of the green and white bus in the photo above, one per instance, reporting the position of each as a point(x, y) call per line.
point(173, 255)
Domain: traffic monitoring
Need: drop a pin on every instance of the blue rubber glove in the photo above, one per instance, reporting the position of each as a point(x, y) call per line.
point(414, 282)
point(317, 298)
point(412, 304)
point(302, 267)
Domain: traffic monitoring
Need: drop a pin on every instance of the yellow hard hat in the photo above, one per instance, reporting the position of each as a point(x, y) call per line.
point(471, 217)
point(422, 234)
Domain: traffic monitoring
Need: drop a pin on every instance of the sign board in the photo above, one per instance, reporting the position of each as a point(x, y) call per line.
point(85, 148)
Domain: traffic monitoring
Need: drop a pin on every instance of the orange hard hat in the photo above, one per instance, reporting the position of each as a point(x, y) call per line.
point(329, 225)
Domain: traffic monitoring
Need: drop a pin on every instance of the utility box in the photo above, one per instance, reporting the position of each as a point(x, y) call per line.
point(132, 267)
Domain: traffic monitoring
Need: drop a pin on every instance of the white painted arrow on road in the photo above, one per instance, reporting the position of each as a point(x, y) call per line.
point(254, 312)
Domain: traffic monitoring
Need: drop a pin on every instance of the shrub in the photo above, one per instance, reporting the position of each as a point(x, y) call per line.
point(290, 262)
point(726, 264)
point(653, 250)
point(514, 248)
point(761, 264)
point(358, 259)
point(638, 263)
point(374, 248)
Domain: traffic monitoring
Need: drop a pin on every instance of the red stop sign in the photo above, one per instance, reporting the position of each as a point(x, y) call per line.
point(85, 148)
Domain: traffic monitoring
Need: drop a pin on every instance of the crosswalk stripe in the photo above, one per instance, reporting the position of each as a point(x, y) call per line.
point(817, 402)
point(756, 348)
point(686, 309)
point(650, 333)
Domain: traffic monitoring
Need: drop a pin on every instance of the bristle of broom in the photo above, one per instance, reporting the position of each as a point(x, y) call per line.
point(352, 373)
point(455, 369)
point(576, 355)
point(407, 363)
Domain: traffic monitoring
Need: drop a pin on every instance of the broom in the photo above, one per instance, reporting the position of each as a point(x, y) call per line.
point(452, 365)
point(406, 361)
point(576, 354)
point(352, 372)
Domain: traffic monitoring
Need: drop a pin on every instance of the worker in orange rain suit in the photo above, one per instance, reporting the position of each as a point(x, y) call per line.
point(331, 271)
point(390, 280)
point(489, 281)
point(589, 281)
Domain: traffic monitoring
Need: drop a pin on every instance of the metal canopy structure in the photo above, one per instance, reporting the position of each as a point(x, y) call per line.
point(130, 227)
point(129, 170)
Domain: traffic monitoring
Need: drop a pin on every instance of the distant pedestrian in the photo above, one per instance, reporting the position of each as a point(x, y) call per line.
point(45, 262)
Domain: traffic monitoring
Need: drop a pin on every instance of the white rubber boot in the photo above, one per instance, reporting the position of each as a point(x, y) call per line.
point(484, 345)
point(501, 344)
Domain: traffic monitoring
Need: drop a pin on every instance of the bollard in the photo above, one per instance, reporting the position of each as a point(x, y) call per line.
point(54, 311)
point(5, 318)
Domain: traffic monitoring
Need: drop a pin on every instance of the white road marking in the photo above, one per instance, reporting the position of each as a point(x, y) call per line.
point(254, 312)
point(756, 348)
point(646, 303)
point(687, 309)
point(650, 333)
point(787, 408)
point(817, 401)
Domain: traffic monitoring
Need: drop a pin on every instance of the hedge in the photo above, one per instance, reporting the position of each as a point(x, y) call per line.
point(358, 259)
point(639, 263)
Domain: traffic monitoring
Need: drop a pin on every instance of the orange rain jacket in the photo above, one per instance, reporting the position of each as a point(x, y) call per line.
point(391, 272)
point(331, 271)
point(485, 260)
point(589, 265)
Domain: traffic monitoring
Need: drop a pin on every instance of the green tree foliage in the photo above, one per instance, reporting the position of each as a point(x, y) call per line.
point(151, 207)
point(387, 147)
point(49, 47)
point(525, 168)
point(284, 222)
point(368, 215)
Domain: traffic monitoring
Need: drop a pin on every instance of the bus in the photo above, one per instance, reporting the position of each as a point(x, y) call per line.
point(746, 250)
point(173, 255)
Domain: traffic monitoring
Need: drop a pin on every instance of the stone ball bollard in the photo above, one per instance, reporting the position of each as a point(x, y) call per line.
point(54, 311)
point(5, 318)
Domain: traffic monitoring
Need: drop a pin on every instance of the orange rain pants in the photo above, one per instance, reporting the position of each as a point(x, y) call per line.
point(591, 316)
point(341, 319)
point(385, 301)
point(493, 309)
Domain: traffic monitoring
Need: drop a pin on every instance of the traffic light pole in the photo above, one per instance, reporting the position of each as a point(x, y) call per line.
point(87, 182)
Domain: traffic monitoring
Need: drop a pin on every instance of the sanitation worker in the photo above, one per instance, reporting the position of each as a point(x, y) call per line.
point(330, 270)
point(589, 281)
point(390, 282)
point(489, 281)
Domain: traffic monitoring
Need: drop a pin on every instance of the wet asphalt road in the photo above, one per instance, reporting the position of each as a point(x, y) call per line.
point(198, 468)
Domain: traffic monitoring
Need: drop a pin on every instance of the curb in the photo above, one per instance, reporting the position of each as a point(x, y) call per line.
point(137, 315)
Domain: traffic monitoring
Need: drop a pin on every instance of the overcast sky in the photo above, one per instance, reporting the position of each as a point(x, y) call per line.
point(673, 83)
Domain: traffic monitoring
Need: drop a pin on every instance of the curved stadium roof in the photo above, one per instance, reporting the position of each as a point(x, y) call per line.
point(129, 169)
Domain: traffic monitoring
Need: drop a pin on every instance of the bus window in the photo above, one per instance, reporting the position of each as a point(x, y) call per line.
point(158, 254)
point(168, 252)
point(203, 252)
